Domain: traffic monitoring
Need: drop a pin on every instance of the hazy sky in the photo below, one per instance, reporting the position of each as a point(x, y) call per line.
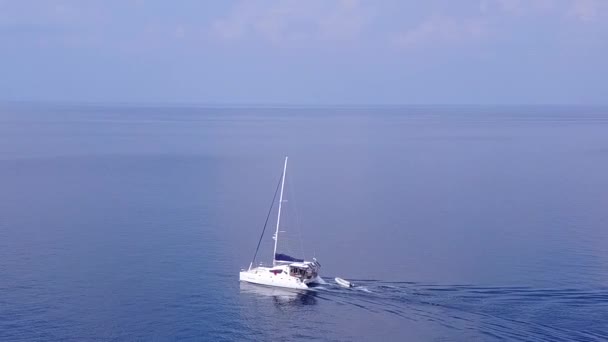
point(305, 51)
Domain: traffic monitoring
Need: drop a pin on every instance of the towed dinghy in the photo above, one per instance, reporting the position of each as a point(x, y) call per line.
point(344, 282)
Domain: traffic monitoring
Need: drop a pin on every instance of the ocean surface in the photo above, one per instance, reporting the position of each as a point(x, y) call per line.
point(457, 223)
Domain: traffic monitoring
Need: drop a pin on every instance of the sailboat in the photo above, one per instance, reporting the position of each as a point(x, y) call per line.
point(286, 271)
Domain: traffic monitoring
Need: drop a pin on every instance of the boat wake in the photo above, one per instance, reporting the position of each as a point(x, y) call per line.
point(512, 313)
point(361, 288)
point(321, 281)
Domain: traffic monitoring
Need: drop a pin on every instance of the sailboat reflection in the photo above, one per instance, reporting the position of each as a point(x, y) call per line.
point(281, 296)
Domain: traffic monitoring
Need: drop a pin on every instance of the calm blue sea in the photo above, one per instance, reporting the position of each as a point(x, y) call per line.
point(457, 223)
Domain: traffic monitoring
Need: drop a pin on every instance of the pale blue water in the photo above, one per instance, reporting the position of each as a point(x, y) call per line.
point(457, 223)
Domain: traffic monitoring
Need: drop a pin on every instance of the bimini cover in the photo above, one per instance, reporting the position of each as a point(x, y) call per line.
point(285, 257)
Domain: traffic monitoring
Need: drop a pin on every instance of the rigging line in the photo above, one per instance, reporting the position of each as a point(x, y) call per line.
point(266, 222)
point(292, 187)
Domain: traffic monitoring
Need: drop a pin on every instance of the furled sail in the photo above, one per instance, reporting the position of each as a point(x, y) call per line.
point(285, 257)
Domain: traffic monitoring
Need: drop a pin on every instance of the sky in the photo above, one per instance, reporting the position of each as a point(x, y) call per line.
point(305, 52)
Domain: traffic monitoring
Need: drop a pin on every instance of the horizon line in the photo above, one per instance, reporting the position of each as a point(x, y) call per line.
point(270, 105)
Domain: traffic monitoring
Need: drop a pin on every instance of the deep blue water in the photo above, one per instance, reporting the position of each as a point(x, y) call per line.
point(457, 223)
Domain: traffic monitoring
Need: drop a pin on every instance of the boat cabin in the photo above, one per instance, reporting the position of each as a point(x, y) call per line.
point(297, 272)
point(302, 270)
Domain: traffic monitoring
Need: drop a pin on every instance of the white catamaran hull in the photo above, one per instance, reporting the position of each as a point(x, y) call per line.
point(263, 276)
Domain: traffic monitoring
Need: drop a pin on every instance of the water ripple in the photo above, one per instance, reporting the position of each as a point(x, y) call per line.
point(511, 313)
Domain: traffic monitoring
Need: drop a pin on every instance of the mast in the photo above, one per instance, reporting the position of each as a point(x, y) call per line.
point(276, 234)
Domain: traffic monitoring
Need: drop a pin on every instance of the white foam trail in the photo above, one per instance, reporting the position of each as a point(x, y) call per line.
point(322, 281)
point(317, 288)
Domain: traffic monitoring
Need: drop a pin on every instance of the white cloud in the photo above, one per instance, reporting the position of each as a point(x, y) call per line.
point(580, 10)
point(589, 10)
point(439, 30)
point(293, 20)
point(518, 7)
